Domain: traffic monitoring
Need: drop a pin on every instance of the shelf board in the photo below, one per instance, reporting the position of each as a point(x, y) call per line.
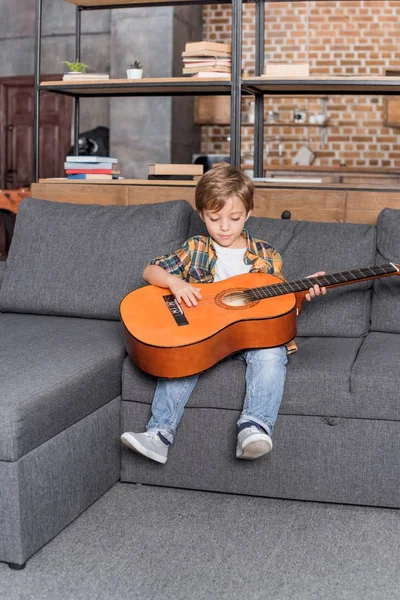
point(292, 124)
point(276, 124)
point(296, 96)
point(165, 86)
point(336, 170)
point(101, 4)
point(148, 182)
point(315, 85)
point(178, 86)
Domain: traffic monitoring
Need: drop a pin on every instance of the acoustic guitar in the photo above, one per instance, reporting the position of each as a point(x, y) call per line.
point(255, 310)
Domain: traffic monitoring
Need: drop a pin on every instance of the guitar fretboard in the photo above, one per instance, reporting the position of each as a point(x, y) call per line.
point(334, 279)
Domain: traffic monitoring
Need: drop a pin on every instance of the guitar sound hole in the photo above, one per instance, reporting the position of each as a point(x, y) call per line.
point(235, 299)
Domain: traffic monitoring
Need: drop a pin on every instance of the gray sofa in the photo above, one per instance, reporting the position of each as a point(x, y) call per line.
point(68, 390)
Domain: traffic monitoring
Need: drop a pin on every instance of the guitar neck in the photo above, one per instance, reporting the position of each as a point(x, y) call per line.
point(332, 280)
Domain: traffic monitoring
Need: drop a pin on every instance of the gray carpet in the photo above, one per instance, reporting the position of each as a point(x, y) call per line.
point(142, 542)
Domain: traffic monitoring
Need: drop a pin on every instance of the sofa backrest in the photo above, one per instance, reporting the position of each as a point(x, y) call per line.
point(386, 296)
point(308, 247)
point(81, 260)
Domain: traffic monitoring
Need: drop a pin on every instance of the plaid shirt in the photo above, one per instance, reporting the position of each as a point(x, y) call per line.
point(195, 261)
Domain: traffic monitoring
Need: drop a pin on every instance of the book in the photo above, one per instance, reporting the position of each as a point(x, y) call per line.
point(286, 70)
point(208, 68)
point(171, 177)
point(173, 169)
point(288, 179)
point(93, 165)
point(203, 53)
point(96, 171)
point(205, 45)
point(211, 75)
point(85, 76)
point(89, 176)
point(210, 62)
point(90, 159)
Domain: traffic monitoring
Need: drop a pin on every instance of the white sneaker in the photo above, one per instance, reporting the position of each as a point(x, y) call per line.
point(149, 444)
point(252, 443)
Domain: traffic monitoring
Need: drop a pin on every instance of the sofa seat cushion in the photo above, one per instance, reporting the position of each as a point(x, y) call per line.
point(81, 260)
point(318, 381)
point(386, 296)
point(53, 372)
point(376, 374)
point(318, 377)
point(310, 247)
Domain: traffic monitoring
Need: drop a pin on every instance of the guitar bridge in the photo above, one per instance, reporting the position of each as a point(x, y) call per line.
point(176, 310)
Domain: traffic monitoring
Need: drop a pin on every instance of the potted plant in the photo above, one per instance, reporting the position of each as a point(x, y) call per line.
point(75, 67)
point(135, 71)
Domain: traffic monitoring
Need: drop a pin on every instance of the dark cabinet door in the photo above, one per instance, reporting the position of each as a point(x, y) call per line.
point(17, 106)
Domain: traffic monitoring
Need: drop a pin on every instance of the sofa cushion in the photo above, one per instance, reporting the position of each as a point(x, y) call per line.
point(376, 375)
point(80, 260)
point(310, 247)
point(53, 372)
point(386, 294)
point(318, 383)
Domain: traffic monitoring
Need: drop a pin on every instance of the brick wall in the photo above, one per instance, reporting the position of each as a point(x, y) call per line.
point(342, 37)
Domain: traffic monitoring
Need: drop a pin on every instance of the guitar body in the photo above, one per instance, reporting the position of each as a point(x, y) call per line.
point(166, 339)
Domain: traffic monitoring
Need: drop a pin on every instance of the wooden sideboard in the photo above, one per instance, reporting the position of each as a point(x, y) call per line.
point(330, 202)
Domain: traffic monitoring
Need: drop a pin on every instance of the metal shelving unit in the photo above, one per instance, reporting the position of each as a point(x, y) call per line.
point(257, 86)
point(144, 87)
point(310, 86)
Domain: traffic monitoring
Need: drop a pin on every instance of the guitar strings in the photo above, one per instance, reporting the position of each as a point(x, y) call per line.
point(246, 294)
point(280, 287)
point(210, 299)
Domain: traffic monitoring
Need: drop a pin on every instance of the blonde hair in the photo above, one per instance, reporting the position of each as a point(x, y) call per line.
point(220, 184)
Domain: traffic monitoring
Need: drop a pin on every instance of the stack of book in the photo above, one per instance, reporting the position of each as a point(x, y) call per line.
point(207, 59)
point(73, 76)
point(91, 167)
point(187, 172)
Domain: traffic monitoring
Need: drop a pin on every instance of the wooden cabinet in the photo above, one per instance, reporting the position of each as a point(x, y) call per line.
point(392, 111)
point(212, 110)
point(333, 203)
point(300, 204)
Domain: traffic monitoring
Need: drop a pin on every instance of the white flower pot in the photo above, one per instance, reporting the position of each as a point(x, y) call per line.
point(134, 73)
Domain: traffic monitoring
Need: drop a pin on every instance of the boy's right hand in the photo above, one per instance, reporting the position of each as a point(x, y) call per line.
point(182, 290)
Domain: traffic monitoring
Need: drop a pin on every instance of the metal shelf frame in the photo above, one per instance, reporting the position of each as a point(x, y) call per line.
point(310, 86)
point(233, 88)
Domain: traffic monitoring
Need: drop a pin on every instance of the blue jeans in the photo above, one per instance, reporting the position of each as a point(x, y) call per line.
point(265, 380)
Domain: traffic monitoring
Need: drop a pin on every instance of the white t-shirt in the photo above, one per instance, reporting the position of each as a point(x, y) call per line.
point(230, 262)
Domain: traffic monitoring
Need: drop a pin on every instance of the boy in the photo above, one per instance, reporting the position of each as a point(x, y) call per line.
point(224, 201)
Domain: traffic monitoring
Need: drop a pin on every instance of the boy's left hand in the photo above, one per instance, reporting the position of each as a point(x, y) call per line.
point(316, 290)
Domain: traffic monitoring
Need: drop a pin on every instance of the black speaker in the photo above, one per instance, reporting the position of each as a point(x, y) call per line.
point(208, 160)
